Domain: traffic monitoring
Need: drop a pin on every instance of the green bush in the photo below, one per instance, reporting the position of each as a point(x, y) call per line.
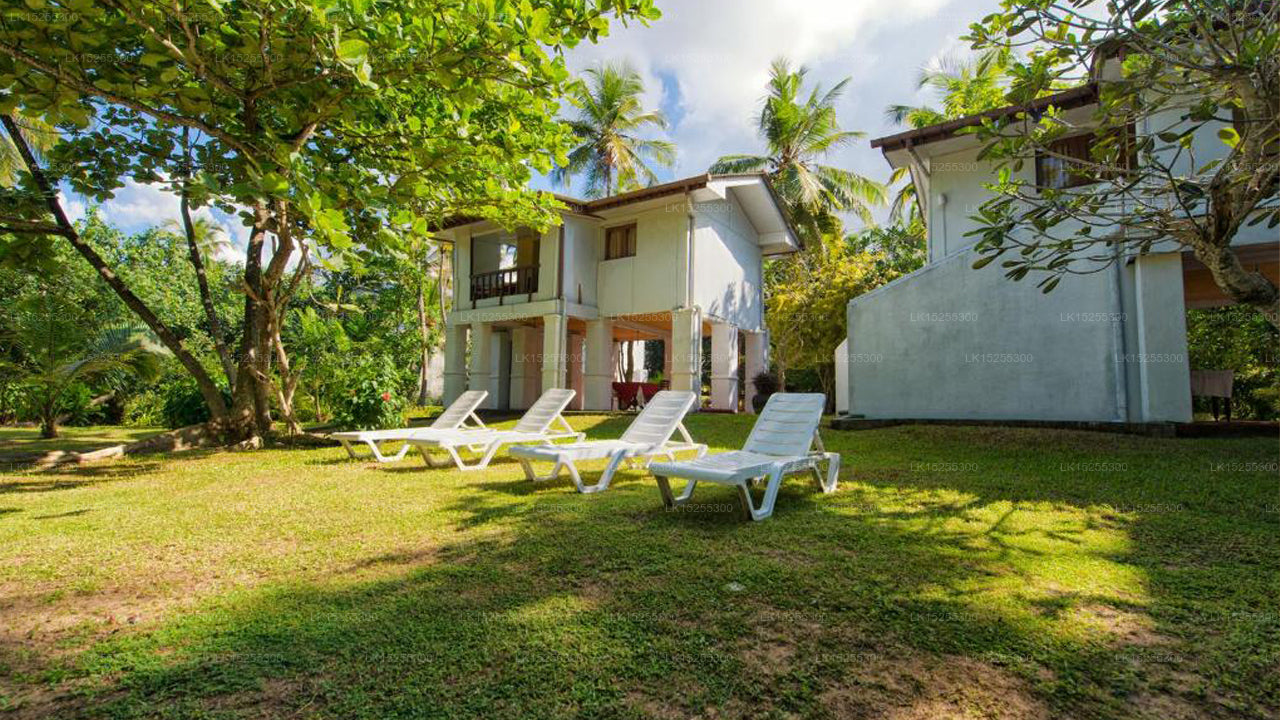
point(76, 407)
point(184, 405)
point(371, 396)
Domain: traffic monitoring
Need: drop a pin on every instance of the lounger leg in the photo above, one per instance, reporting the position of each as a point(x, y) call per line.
point(664, 488)
point(528, 469)
point(430, 462)
point(377, 454)
point(671, 501)
point(833, 473)
point(529, 473)
point(766, 502)
point(488, 455)
point(605, 478)
point(350, 451)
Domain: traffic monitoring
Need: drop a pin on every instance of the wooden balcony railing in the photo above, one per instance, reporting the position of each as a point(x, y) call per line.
point(521, 280)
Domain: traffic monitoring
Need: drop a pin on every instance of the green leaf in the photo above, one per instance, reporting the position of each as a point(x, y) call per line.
point(1229, 136)
point(353, 51)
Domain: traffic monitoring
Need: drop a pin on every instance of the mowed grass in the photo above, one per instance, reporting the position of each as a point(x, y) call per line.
point(956, 573)
point(21, 445)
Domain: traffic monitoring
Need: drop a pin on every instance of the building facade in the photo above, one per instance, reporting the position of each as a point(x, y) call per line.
point(674, 263)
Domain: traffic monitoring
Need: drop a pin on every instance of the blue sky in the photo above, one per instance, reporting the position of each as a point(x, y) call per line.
point(705, 64)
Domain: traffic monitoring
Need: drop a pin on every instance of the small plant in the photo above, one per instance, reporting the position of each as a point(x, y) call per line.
point(766, 384)
point(370, 399)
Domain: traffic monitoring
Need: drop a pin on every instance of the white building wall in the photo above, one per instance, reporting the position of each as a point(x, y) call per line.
point(949, 341)
point(651, 281)
point(727, 265)
point(582, 251)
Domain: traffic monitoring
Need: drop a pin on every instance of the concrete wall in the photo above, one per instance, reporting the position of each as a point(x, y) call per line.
point(952, 342)
point(582, 252)
point(727, 265)
point(651, 281)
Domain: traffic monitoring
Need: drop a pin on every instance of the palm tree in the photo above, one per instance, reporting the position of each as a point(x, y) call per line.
point(40, 137)
point(798, 131)
point(964, 87)
point(610, 151)
point(208, 235)
point(56, 355)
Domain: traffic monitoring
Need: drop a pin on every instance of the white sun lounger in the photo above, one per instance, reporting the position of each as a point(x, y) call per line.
point(648, 436)
point(454, 417)
point(784, 440)
point(534, 427)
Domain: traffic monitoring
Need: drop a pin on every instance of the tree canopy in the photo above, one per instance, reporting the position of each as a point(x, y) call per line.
point(1168, 74)
point(327, 125)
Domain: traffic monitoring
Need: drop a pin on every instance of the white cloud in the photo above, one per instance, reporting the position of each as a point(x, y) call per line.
point(138, 206)
point(72, 206)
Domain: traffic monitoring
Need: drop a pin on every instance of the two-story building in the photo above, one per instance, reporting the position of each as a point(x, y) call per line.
point(953, 342)
point(674, 263)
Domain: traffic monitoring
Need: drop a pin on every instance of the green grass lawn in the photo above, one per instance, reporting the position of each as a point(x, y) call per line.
point(956, 573)
point(19, 445)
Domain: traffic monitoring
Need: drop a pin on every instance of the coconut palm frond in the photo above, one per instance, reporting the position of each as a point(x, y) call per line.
point(611, 157)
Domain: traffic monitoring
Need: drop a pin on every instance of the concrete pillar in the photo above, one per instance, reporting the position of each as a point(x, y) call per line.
point(524, 367)
point(576, 367)
point(598, 384)
point(1164, 370)
point(481, 343)
point(724, 367)
point(686, 350)
point(455, 362)
point(553, 351)
point(757, 361)
point(500, 370)
point(666, 359)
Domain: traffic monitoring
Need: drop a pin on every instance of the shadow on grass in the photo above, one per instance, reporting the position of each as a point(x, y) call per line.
point(866, 603)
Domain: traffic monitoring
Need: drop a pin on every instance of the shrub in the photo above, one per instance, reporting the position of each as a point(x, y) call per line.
point(370, 398)
point(184, 405)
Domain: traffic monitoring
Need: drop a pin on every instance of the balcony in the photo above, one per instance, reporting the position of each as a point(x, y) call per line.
point(519, 280)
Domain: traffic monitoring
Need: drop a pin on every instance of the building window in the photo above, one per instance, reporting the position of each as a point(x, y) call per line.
point(1070, 162)
point(620, 242)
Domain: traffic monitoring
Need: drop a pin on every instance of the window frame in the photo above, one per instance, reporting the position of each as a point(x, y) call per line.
point(630, 240)
point(1087, 177)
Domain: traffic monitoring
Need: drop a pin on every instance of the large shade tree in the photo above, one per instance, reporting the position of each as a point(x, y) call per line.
point(799, 130)
point(320, 123)
point(1181, 71)
point(610, 117)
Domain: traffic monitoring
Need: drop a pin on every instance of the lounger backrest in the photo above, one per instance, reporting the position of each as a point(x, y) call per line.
point(787, 424)
point(458, 410)
point(660, 416)
point(545, 411)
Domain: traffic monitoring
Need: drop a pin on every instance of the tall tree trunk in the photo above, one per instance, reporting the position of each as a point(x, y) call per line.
point(208, 389)
point(424, 347)
point(251, 409)
point(202, 279)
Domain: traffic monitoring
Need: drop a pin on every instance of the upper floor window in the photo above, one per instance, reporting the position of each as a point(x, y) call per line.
point(1070, 162)
point(620, 242)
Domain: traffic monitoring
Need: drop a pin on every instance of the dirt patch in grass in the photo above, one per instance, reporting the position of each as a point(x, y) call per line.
point(902, 684)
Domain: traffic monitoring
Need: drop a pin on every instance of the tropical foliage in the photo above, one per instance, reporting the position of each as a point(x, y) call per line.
point(60, 350)
point(806, 297)
point(327, 129)
point(610, 115)
point(799, 130)
point(962, 87)
point(1178, 70)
